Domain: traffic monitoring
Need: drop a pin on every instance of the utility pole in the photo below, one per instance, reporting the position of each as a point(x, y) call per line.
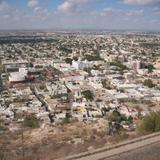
point(1, 83)
point(23, 152)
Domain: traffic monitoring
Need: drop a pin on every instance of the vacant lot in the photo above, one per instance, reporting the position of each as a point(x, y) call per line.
point(53, 142)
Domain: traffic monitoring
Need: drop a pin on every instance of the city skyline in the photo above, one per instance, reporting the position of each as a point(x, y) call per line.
point(80, 14)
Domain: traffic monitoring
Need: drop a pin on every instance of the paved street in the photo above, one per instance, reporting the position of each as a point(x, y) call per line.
point(150, 152)
point(130, 151)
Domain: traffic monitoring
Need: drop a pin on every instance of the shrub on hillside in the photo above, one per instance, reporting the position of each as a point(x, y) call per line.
point(150, 123)
point(30, 121)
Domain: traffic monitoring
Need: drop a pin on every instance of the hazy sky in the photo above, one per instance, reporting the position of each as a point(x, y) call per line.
point(80, 14)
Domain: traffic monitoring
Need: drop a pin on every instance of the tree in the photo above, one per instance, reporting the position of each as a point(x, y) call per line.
point(69, 61)
point(117, 117)
point(119, 65)
point(93, 57)
point(150, 68)
point(130, 120)
point(75, 58)
point(149, 83)
point(65, 49)
point(150, 123)
point(88, 95)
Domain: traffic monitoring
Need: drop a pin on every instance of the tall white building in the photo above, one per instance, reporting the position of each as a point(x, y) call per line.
point(18, 76)
point(81, 64)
